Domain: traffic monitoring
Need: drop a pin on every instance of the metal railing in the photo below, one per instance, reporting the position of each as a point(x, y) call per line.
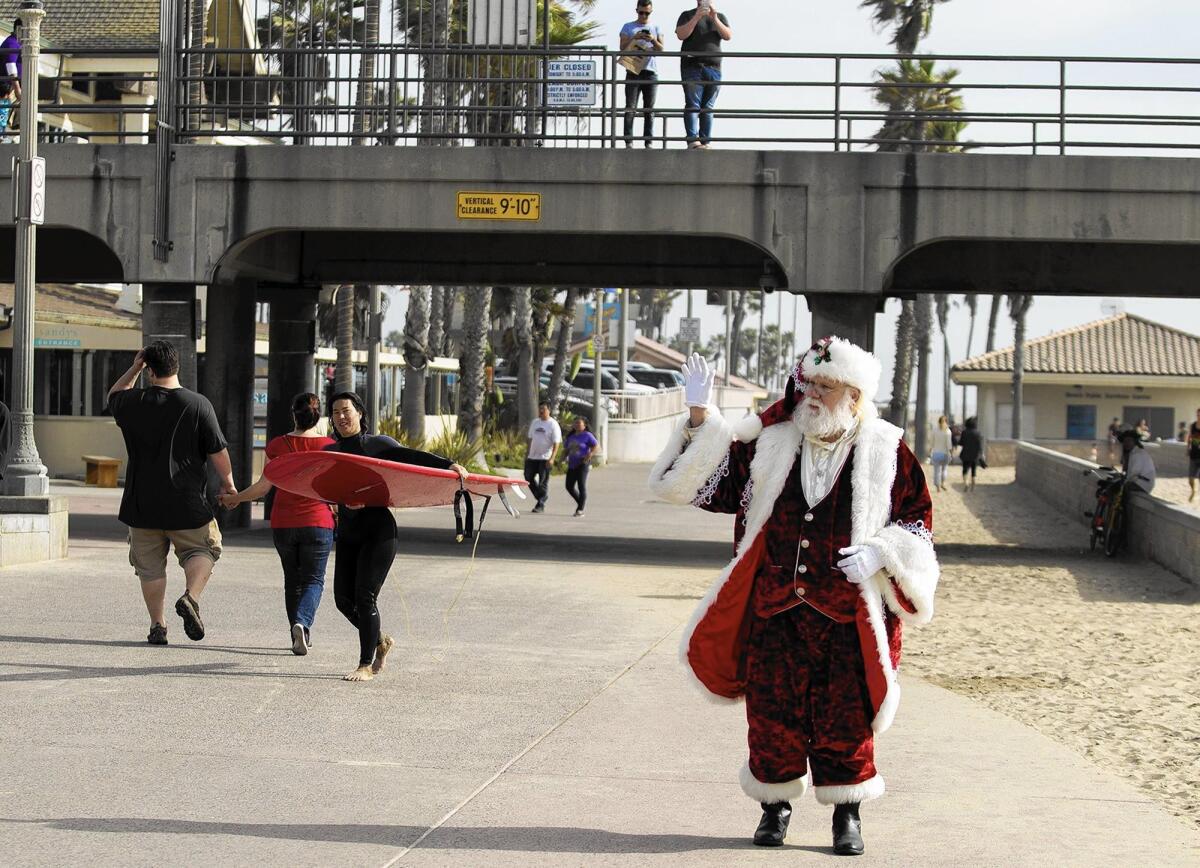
point(453, 96)
point(494, 96)
point(645, 408)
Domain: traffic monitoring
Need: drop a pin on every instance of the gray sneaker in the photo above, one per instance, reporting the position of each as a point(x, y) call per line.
point(299, 640)
point(158, 635)
point(189, 610)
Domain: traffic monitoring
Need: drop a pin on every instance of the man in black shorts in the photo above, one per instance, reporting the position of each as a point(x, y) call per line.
point(170, 434)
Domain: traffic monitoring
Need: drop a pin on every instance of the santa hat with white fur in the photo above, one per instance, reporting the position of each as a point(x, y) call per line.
point(831, 358)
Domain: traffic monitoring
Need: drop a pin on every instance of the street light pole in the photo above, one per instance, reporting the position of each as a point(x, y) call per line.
point(25, 474)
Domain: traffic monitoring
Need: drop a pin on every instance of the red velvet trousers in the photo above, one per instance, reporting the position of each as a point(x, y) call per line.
point(807, 703)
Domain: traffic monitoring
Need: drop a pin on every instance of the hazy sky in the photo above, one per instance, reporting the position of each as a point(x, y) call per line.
point(1156, 28)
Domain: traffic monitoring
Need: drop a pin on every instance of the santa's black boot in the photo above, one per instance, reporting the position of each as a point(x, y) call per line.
point(847, 830)
point(772, 828)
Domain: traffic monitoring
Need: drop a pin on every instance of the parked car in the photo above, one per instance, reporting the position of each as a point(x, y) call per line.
point(660, 378)
point(609, 382)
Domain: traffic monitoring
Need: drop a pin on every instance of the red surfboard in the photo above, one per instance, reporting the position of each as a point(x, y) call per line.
point(337, 477)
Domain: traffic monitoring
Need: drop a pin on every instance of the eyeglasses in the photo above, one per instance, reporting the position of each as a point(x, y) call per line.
point(642, 12)
point(818, 389)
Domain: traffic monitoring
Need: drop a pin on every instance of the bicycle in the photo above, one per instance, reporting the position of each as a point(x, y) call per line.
point(1108, 517)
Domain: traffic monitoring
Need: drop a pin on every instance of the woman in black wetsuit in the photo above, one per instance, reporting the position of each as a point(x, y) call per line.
point(366, 535)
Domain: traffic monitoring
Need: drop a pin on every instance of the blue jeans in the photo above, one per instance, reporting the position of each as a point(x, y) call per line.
point(701, 84)
point(303, 552)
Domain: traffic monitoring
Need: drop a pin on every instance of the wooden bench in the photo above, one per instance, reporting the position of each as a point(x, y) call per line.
point(101, 470)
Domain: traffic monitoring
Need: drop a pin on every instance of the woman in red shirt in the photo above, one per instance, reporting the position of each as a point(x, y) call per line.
point(301, 527)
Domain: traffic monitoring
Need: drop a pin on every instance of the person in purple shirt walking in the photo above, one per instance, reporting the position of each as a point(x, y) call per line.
point(10, 78)
point(580, 445)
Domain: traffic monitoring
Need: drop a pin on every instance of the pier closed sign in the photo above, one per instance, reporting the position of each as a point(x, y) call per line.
point(499, 206)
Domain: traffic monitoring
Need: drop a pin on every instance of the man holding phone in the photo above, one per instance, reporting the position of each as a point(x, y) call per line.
point(641, 73)
point(702, 32)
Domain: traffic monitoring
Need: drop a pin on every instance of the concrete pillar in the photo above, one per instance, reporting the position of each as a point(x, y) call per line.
point(847, 315)
point(169, 314)
point(229, 380)
point(290, 364)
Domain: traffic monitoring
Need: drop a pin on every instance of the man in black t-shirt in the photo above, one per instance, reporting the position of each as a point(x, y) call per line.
point(702, 31)
point(170, 434)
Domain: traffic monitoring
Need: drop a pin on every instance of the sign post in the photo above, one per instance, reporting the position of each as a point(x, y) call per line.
point(25, 474)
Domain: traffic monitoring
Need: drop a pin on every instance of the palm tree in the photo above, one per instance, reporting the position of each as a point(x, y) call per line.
point(477, 305)
point(919, 100)
point(909, 22)
point(344, 378)
point(527, 379)
point(1018, 307)
point(922, 333)
point(368, 90)
point(416, 361)
point(971, 300)
point(291, 34)
point(437, 328)
point(992, 317)
point(942, 306)
point(558, 372)
point(902, 371)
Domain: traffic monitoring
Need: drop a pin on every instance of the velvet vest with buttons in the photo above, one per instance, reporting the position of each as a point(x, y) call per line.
point(802, 551)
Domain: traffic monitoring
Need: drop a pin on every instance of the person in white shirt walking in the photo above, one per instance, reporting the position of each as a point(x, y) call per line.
point(943, 448)
point(544, 437)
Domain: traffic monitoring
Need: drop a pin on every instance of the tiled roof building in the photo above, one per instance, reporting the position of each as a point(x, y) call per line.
point(1123, 344)
point(94, 25)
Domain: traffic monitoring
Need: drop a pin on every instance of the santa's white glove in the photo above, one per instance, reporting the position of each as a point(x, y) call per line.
point(697, 381)
point(860, 563)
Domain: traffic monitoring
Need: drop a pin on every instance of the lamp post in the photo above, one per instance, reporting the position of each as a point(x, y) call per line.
point(25, 474)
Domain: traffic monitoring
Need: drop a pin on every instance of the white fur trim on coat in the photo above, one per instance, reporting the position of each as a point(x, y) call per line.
point(682, 467)
point(912, 562)
point(776, 447)
point(772, 794)
point(748, 428)
point(850, 794)
point(871, 481)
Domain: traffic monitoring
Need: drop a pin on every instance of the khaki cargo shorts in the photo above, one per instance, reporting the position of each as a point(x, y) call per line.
point(148, 548)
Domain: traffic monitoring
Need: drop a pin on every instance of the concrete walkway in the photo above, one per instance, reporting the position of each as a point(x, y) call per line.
point(544, 722)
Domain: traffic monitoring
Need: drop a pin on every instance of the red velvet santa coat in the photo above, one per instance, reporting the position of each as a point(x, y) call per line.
point(890, 510)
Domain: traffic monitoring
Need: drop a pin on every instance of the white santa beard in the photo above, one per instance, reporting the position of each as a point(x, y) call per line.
point(814, 419)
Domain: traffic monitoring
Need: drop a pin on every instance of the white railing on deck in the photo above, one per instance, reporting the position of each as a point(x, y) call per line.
point(645, 408)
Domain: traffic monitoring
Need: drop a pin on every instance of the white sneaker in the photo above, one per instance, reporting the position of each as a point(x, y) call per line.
point(299, 641)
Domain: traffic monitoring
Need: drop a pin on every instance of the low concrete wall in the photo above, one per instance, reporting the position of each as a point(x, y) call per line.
point(61, 440)
point(1166, 534)
point(638, 442)
point(1170, 457)
point(33, 529)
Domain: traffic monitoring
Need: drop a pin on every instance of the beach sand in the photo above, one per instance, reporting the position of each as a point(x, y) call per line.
point(1099, 654)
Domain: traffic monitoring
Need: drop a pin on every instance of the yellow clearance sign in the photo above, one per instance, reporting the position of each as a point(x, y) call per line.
point(499, 206)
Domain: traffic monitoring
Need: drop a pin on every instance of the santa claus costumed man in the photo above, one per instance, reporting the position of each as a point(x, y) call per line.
point(834, 551)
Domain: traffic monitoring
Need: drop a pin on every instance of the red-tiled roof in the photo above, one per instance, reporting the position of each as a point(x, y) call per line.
point(80, 305)
point(1120, 344)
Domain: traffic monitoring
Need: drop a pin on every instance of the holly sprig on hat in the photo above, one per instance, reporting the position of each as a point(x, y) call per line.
point(821, 351)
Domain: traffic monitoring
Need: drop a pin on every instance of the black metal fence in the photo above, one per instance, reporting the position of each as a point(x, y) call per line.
point(428, 72)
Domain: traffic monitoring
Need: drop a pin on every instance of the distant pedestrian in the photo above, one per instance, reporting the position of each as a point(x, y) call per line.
point(1143, 430)
point(971, 452)
point(301, 528)
point(170, 433)
point(641, 72)
point(1114, 440)
point(544, 437)
point(943, 449)
point(1181, 435)
point(580, 445)
point(10, 81)
point(702, 31)
point(1193, 448)
point(1137, 463)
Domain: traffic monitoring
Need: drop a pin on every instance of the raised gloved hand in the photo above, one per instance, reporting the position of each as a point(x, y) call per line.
point(860, 563)
point(697, 381)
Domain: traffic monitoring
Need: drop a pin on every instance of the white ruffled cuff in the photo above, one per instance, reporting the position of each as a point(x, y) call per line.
point(689, 460)
point(911, 563)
